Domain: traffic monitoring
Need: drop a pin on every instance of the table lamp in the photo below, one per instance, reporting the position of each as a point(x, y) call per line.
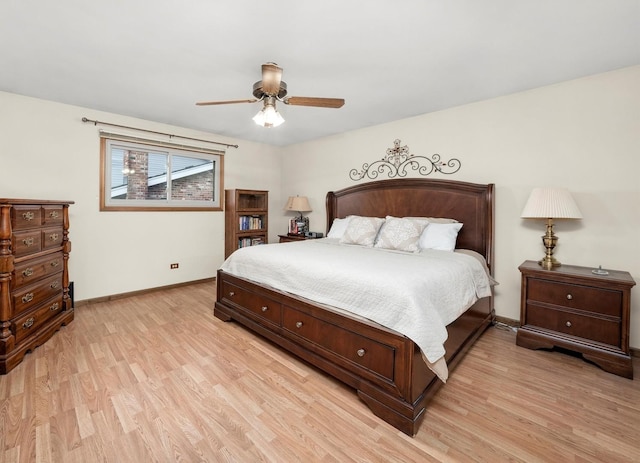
point(299, 204)
point(550, 203)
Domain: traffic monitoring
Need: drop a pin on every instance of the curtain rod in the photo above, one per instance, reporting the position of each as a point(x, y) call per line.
point(84, 119)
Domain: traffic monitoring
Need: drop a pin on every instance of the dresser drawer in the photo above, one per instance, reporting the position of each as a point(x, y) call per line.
point(25, 217)
point(256, 304)
point(51, 237)
point(52, 215)
point(32, 295)
point(592, 299)
point(26, 242)
point(607, 331)
point(29, 323)
point(358, 349)
point(32, 270)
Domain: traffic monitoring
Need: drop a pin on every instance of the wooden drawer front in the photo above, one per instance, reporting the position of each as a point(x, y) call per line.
point(26, 242)
point(602, 330)
point(51, 237)
point(598, 300)
point(32, 295)
point(29, 323)
point(25, 217)
point(34, 269)
point(52, 215)
point(358, 349)
point(257, 304)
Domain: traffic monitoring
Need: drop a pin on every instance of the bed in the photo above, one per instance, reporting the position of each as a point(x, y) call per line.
point(386, 368)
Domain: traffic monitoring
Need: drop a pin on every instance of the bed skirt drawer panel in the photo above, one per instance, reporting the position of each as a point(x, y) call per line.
point(358, 349)
point(258, 305)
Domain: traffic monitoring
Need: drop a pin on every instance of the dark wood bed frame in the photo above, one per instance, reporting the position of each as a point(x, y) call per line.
point(385, 367)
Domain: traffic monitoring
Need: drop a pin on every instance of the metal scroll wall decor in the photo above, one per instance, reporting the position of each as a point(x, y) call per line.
point(398, 160)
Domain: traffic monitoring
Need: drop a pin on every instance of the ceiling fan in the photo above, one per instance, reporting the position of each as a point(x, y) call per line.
point(271, 89)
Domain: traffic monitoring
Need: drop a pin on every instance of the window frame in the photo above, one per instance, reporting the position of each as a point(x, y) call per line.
point(156, 205)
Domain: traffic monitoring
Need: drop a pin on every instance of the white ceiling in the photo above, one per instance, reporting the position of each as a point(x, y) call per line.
point(389, 59)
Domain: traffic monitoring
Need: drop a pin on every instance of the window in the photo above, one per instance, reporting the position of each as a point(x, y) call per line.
point(145, 176)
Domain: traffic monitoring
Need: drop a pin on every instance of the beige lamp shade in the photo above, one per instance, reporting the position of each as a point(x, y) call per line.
point(298, 204)
point(551, 203)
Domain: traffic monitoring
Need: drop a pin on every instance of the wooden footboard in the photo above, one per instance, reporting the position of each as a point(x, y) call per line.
point(385, 367)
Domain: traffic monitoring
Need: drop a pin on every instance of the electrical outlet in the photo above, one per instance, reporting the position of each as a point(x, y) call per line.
point(173, 266)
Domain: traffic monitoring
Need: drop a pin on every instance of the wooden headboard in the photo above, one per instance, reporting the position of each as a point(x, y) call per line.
point(469, 203)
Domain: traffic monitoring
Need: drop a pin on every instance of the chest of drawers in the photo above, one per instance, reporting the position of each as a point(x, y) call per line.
point(572, 308)
point(34, 277)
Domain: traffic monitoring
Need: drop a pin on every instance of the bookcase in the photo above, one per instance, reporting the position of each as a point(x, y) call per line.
point(246, 219)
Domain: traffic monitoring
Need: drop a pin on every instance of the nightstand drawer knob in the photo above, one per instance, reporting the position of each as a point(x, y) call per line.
point(568, 324)
point(264, 308)
point(231, 294)
point(361, 352)
point(569, 296)
point(298, 324)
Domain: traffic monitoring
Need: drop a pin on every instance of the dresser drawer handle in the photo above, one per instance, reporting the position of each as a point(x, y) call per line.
point(55, 306)
point(28, 215)
point(361, 352)
point(568, 324)
point(53, 236)
point(29, 323)
point(54, 285)
point(264, 308)
point(298, 324)
point(569, 297)
point(27, 298)
point(28, 242)
point(53, 214)
point(231, 294)
point(55, 263)
point(27, 272)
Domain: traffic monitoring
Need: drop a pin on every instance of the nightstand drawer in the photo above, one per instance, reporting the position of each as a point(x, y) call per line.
point(583, 326)
point(587, 298)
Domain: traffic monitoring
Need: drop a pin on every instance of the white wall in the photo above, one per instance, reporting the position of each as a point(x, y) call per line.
point(583, 135)
point(46, 152)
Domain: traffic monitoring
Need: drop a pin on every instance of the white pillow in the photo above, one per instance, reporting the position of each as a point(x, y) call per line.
point(400, 234)
point(338, 227)
point(440, 236)
point(362, 231)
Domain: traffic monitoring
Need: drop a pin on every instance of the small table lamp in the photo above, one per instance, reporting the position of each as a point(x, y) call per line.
point(299, 204)
point(550, 203)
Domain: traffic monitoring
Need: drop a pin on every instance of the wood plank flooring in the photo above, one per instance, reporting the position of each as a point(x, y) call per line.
point(156, 378)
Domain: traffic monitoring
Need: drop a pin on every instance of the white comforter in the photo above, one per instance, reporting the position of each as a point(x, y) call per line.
point(414, 294)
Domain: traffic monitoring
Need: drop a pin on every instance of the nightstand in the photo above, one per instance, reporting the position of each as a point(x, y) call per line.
point(572, 308)
point(288, 238)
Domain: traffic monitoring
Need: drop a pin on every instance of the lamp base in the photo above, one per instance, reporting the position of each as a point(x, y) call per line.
point(549, 239)
point(548, 263)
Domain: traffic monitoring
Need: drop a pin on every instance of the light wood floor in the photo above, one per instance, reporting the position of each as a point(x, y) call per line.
point(156, 377)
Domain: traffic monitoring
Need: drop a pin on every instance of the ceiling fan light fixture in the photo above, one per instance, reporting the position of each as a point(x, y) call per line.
point(268, 116)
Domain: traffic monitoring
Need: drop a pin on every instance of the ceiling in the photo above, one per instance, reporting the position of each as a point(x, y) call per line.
point(388, 59)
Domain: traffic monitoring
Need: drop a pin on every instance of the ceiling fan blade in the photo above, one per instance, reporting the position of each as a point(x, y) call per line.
point(210, 103)
point(317, 102)
point(271, 77)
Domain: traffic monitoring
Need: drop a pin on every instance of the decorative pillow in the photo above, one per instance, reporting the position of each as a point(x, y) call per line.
point(338, 228)
point(362, 230)
point(400, 234)
point(440, 236)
